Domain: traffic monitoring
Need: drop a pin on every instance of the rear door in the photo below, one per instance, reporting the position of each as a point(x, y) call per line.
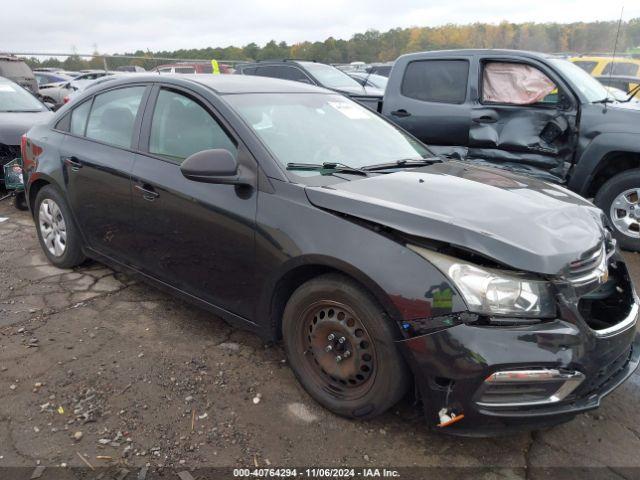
point(97, 160)
point(524, 118)
point(431, 100)
point(197, 237)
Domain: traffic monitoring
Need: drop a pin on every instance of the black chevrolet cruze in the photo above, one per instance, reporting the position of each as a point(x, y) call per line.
point(303, 216)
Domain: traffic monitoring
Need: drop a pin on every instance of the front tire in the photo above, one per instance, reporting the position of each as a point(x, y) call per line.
point(57, 232)
point(340, 345)
point(619, 199)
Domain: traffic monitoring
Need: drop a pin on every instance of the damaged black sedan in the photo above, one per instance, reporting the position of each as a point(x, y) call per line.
point(297, 213)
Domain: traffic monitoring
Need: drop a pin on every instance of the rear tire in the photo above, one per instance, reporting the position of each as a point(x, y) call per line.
point(57, 232)
point(334, 311)
point(619, 199)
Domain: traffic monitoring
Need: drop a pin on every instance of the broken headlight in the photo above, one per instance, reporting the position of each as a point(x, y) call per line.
point(489, 291)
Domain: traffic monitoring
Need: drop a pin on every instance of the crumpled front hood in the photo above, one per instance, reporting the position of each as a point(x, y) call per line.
point(518, 221)
point(14, 124)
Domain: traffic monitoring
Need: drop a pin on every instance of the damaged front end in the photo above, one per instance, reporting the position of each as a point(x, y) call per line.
point(528, 355)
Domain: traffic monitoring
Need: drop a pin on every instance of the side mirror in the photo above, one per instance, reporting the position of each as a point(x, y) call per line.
point(51, 106)
point(213, 166)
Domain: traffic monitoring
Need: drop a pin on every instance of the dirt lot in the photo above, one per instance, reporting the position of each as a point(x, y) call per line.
point(95, 364)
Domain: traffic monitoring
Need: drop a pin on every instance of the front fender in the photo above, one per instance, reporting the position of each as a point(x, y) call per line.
point(406, 285)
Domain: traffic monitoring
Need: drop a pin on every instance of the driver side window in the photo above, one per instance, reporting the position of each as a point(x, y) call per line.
point(181, 127)
point(517, 84)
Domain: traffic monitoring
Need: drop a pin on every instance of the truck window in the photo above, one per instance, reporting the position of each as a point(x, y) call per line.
point(621, 68)
point(516, 84)
point(442, 81)
point(585, 65)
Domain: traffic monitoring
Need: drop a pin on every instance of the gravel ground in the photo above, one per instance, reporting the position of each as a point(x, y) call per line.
point(93, 364)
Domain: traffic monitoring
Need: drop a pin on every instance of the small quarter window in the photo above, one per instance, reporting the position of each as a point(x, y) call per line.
point(79, 117)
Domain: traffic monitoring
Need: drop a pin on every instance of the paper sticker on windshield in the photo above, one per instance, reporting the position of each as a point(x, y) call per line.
point(350, 110)
point(7, 88)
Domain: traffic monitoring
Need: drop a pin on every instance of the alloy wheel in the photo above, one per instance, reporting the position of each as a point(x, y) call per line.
point(625, 212)
point(53, 228)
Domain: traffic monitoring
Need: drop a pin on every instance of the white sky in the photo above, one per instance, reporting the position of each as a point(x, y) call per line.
point(128, 25)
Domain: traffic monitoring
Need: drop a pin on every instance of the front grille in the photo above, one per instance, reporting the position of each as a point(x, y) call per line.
point(611, 303)
point(583, 270)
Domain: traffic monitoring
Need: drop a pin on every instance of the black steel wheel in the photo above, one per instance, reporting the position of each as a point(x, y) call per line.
point(340, 345)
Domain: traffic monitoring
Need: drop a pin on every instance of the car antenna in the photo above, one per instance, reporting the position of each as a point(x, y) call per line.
point(613, 58)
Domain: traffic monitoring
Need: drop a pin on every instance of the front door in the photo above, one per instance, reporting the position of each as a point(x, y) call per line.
point(97, 159)
point(524, 119)
point(197, 237)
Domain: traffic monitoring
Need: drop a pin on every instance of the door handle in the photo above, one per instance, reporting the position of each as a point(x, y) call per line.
point(400, 113)
point(73, 162)
point(485, 119)
point(148, 193)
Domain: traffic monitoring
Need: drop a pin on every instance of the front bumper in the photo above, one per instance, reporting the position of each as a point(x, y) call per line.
point(451, 365)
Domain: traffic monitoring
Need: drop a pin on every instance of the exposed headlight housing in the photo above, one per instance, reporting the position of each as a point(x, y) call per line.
point(494, 292)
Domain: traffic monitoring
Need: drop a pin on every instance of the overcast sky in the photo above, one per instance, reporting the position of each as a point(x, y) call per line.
point(128, 25)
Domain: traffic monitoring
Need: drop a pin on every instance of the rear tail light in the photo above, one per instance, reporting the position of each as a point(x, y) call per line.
point(23, 146)
point(65, 99)
point(30, 152)
point(520, 388)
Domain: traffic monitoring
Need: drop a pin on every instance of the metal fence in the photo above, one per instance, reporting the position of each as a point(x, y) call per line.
point(77, 61)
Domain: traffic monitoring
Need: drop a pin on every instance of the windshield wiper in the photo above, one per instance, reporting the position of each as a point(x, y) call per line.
point(404, 163)
point(605, 100)
point(329, 167)
point(632, 93)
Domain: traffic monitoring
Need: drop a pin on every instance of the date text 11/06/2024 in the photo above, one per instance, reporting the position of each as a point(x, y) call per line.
point(315, 473)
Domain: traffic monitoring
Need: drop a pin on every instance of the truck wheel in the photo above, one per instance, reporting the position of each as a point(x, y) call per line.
point(619, 198)
point(340, 345)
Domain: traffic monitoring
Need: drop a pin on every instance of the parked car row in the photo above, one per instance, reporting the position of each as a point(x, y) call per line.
point(377, 262)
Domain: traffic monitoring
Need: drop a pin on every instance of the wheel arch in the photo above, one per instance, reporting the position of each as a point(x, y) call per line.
point(610, 165)
point(301, 270)
point(605, 156)
point(34, 187)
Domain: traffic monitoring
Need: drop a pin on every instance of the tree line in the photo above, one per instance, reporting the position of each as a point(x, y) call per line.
point(375, 46)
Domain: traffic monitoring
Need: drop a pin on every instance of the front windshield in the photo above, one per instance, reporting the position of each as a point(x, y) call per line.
point(588, 86)
point(14, 98)
point(317, 128)
point(378, 81)
point(331, 77)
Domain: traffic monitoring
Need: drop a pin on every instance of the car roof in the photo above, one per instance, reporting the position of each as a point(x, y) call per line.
point(225, 83)
point(481, 51)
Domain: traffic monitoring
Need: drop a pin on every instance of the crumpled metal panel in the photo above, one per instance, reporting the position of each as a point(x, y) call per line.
point(518, 221)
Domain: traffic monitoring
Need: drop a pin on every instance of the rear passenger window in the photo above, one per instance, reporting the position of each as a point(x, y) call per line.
point(113, 115)
point(79, 117)
point(442, 81)
point(181, 127)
